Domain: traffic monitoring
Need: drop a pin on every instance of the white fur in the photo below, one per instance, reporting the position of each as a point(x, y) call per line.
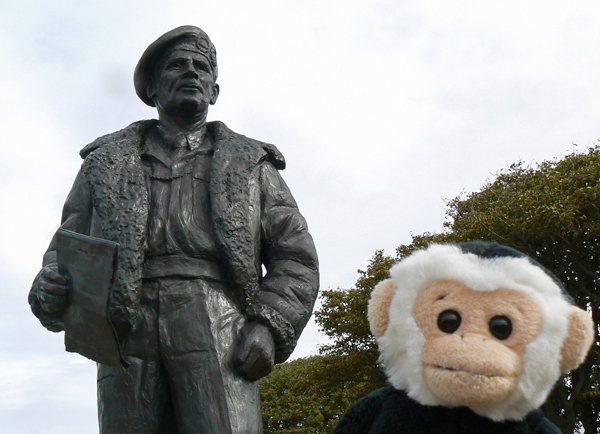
point(403, 341)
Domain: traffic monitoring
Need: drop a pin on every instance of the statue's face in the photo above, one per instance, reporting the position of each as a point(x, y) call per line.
point(184, 83)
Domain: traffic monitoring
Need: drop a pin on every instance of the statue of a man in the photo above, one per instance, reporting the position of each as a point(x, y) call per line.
point(198, 212)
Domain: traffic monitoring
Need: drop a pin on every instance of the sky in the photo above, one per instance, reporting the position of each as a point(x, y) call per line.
point(384, 109)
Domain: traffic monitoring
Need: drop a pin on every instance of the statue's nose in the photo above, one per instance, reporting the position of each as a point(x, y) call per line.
point(189, 71)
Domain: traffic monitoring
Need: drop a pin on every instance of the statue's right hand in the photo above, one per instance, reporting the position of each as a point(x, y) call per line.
point(52, 289)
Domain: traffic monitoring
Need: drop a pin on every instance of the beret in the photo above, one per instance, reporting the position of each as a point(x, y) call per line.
point(189, 38)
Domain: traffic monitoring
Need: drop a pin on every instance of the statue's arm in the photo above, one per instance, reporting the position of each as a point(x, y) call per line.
point(289, 289)
point(48, 294)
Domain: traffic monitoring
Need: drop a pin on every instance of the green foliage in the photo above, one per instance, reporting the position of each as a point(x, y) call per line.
point(310, 395)
point(550, 212)
point(290, 403)
point(351, 369)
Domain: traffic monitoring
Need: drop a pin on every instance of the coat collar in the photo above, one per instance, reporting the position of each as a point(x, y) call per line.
point(217, 129)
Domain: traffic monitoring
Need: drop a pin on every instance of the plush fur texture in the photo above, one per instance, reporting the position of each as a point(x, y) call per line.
point(581, 334)
point(390, 411)
point(402, 343)
point(478, 369)
point(379, 307)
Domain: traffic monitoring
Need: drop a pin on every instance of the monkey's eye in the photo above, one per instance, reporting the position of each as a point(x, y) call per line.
point(448, 321)
point(500, 327)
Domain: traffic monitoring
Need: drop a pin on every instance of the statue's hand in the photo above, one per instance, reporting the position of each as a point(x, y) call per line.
point(52, 289)
point(255, 355)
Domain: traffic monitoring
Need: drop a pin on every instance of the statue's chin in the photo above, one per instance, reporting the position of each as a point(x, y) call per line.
point(459, 388)
point(190, 107)
point(186, 108)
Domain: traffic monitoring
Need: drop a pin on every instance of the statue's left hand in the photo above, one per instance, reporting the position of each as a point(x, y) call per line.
point(255, 355)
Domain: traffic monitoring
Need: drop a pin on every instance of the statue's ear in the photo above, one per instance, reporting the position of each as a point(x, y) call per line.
point(215, 94)
point(379, 306)
point(580, 337)
point(151, 90)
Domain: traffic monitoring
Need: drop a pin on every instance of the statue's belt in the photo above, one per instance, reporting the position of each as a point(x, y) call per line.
point(181, 266)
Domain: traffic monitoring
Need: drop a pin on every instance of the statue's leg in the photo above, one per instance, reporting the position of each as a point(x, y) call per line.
point(187, 348)
point(137, 400)
point(243, 398)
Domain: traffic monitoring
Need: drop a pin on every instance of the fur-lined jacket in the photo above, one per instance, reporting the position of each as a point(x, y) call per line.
point(255, 221)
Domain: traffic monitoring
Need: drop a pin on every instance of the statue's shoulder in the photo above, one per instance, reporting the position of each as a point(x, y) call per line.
point(133, 132)
point(223, 134)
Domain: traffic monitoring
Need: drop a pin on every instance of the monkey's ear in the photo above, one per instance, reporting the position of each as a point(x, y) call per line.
point(379, 306)
point(580, 337)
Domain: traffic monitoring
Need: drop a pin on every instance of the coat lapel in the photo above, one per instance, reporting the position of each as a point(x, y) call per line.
point(236, 157)
point(114, 173)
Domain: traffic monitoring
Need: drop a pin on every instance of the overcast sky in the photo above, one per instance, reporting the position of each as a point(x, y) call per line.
point(382, 108)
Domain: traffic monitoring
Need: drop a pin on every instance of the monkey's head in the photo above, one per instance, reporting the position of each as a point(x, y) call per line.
point(477, 325)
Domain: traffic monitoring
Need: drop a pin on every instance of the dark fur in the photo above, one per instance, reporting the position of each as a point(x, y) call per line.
point(391, 411)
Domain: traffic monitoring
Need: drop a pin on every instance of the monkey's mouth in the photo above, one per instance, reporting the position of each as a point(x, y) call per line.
point(468, 386)
point(452, 369)
point(446, 367)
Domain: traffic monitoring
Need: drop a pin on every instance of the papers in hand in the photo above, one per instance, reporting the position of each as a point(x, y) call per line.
point(90, 265)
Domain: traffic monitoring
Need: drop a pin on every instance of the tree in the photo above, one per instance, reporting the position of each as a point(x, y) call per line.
point(290, 405)
point(310, 395)
point(550, 212)
point(294, 403)
point(350, 367)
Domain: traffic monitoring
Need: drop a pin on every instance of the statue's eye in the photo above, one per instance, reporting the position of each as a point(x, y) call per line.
point(174, 65)
point(500, 327)
point(202, 66)
point(448, 321)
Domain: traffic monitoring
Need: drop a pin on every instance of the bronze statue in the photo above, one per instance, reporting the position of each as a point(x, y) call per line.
point(198, 212)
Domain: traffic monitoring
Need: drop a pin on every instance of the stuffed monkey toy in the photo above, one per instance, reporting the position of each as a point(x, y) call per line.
point(472, 338)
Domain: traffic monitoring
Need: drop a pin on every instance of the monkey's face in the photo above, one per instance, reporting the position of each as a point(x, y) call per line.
point(492, 334)
point(474, 340)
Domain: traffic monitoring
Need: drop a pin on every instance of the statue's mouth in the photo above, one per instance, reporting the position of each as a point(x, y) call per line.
point(190, 86)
